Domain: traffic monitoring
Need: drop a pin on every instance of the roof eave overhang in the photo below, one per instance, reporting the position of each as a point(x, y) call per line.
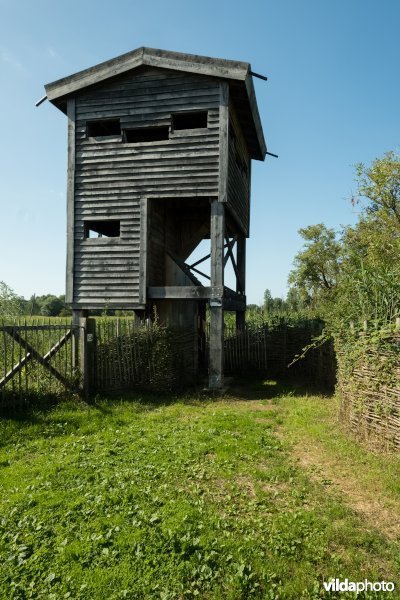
point(233, 71)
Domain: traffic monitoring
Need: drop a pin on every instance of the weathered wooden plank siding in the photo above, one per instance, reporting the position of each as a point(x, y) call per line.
point(238, 174)
point(156, 258)
point(111, 176)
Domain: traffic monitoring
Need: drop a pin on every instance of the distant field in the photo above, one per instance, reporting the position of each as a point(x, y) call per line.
point(191, 497)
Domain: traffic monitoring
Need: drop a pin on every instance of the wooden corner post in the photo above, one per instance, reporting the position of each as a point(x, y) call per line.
point(241, 278)
point(81, 350)
point(217, 232)
point(216, 366)
point(69, 293)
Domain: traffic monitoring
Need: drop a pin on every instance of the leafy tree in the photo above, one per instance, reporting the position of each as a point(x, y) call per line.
point(294, 300)
point(369, 286)
point(268, 300)
point(10, 303)
point(317, 266)
point(253, 307)
point(356, 276)
point(379, 185)
point(50, 306)
point(273, 304)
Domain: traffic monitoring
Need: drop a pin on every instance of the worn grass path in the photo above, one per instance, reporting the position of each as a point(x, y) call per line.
point(367, 481)
point(254, 495)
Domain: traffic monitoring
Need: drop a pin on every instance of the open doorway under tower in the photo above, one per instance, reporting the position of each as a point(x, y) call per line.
point(182, 263)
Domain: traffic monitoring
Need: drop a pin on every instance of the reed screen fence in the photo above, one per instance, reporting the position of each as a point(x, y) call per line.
point(129, 354)
point(104, 355)
point(271, 351)
point(369, 386)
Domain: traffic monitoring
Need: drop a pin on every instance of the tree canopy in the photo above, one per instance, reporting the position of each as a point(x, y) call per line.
point(10, 303)
point(354, 274)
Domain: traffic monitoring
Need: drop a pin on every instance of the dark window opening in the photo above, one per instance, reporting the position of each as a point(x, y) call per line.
point(190, 120)
point(100, 229)
point(102, 128)
point(146, 134)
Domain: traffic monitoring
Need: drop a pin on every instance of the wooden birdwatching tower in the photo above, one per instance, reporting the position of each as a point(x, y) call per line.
point(159, 157)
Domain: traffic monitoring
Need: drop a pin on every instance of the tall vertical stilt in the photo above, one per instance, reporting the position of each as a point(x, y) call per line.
point(216, 302)
point(241, 279)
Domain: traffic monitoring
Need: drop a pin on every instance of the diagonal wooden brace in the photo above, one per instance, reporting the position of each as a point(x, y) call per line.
point(43, 360)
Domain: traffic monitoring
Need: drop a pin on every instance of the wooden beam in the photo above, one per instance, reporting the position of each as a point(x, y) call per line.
point(229, 254)
point(76, 315)
point(216, 304)
point(177, 61)
point(251, 95)
point(241, 280)
point(237, 305)
point(185, 268)
point(69, 293)
point(144, 244)
point(24, 361)
point(223, 142)
point(241, 264)
point(201, 273)
point(184, 292)
point(43, 360)
point(86, 353)
point(217, 230)
point(202, 259)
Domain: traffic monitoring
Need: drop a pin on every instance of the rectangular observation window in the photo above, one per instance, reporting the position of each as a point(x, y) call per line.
point(102, 229)
point(146, 134)
point(189, 120)
point(103, 128)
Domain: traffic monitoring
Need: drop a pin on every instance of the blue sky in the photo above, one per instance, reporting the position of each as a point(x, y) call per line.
point(332, 100)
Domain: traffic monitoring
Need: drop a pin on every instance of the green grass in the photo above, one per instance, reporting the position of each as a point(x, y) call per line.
point(310, 419)
point(174, 498)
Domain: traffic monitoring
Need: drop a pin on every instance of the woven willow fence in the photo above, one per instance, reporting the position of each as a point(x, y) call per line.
point(271, 351)
point(369, 385)
point(102, 355)
point(130, 354)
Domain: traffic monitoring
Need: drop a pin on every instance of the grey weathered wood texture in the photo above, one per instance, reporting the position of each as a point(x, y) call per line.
point(236, 72)
point(69, 293)
point(223, 141)
point(216, 367)
point(164, 196)
point(109, 179)
point(113, 177)
point(238, 174)
point(241, 280)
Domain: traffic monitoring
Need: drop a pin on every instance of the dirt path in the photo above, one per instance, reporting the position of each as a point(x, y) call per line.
point(378, 511)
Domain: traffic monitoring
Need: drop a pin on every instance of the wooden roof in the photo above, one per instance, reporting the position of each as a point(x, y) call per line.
point(236, 73)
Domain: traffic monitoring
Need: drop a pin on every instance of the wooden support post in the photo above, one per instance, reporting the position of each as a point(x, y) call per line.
point(83, 357)
point(91, 377)
point(80, 350)
point(69, 293)
point(217, 231)
point(76, 315)
point(216, 302)
point(241, 280)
